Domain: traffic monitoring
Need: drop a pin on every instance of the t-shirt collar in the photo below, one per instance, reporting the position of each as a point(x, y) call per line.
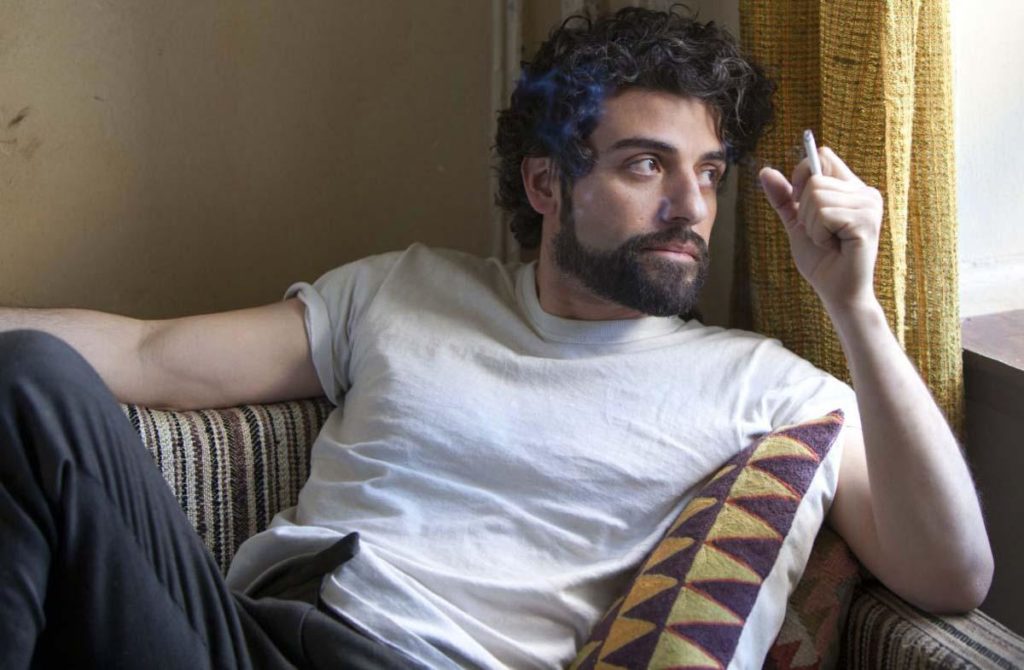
point(576, 331)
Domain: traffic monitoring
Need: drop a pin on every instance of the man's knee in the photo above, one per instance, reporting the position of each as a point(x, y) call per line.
point(28, 356)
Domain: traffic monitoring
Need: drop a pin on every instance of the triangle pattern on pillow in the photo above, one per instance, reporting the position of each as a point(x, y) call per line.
point(688, 605)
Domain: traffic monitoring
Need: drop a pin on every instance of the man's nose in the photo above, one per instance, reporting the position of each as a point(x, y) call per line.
point(683, 203)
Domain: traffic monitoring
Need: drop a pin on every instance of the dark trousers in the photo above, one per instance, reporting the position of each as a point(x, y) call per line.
point(98, 565)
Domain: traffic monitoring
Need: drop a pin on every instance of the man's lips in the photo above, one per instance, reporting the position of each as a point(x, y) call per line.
point(676, 249)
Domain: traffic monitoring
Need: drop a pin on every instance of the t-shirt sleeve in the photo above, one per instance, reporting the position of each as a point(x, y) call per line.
point(335, 303)
point(798, 391)
point(810, 397)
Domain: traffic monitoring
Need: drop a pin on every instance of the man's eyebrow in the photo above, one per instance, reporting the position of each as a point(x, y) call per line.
point(643, 143)
point(663, 147)
point(718, 155)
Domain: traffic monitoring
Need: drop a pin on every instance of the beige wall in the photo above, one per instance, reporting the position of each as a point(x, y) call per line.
point(159, 159)
point(166, 158)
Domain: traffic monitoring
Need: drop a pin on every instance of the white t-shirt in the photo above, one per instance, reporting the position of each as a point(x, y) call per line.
point(507, 469)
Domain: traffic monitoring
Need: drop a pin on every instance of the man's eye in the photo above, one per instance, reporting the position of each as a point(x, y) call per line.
point(645, 166)
point(711, 176)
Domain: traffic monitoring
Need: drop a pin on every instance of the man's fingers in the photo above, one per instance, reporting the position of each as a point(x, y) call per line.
point(825, 185)
point(843, 209)
point(832, 193)
point(830, 225)
point(780, 194)
point(833, 166)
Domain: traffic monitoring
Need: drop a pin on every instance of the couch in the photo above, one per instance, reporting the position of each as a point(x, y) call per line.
point(233, 469)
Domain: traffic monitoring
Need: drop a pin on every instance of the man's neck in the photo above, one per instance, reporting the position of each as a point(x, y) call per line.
point(566, 297)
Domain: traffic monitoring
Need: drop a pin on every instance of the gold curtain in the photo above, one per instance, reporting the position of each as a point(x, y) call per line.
point(873, 79)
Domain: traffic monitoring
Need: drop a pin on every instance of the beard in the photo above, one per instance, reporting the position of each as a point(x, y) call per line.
point(630, 275)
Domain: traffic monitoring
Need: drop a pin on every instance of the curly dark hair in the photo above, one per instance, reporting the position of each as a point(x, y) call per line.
point(557, 101)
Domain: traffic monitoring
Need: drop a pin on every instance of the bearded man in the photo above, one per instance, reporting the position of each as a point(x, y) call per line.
point(510, 439)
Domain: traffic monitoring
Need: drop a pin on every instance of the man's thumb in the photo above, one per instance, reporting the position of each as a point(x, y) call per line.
point(779, 192)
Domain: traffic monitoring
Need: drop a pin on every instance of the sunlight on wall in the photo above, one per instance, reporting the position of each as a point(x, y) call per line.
point(988, 65)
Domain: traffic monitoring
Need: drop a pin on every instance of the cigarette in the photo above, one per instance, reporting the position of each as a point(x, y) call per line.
point(811, 149)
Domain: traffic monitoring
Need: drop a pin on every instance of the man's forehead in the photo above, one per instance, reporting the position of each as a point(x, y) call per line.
point(679, 121)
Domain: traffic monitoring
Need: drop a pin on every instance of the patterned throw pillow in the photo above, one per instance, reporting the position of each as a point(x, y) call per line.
point(713, 592)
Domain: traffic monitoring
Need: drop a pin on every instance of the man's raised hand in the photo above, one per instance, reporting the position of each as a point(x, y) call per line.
point(833, 221)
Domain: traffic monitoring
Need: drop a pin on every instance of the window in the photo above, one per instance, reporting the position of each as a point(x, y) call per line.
point(988, 68)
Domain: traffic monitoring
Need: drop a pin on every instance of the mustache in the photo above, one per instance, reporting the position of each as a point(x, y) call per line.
point(680, 235)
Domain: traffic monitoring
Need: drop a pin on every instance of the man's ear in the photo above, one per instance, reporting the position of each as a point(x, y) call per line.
point(541, 184)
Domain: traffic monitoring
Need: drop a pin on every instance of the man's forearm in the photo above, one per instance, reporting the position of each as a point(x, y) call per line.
point(905, 502)
point(929, 526)
point(109, 342)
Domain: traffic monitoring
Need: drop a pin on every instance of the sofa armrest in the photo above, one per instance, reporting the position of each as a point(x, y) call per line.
point(232, 469)
point(884, 631)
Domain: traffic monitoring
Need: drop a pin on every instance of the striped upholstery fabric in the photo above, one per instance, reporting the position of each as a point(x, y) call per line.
point(232, 469)
point(884, 631)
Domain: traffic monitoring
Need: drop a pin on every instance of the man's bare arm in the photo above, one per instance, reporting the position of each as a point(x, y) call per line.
point(906, 503)
point(252, 355)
